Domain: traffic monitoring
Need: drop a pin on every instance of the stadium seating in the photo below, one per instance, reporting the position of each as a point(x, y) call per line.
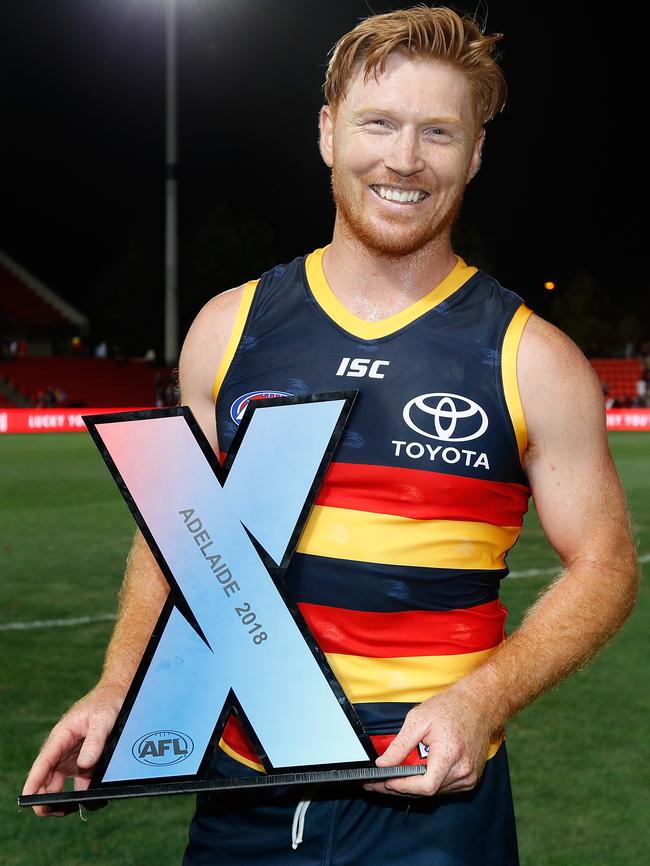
point(105, 382)
point(20, 303)
point(86, 381)
point(620, 375)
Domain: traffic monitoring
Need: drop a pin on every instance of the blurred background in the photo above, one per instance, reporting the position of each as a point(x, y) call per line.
point(95, 264)
point(83, 150)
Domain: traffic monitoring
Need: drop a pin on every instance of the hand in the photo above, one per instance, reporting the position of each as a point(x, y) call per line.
point(454, 727)
point(74, 746)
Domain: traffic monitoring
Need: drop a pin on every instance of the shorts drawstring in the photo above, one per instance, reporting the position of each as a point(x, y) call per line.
point(298, 823)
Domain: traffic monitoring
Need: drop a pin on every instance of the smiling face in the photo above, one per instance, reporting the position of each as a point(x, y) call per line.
point(402, 146)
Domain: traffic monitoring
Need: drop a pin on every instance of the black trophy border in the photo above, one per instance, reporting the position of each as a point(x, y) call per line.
point(95, 798)
point(180, 783)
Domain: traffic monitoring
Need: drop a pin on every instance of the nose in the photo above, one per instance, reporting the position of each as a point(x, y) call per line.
point(404, 156)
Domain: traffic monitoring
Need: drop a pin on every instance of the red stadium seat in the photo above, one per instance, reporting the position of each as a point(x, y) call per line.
point(620, 375)
point(86, 381)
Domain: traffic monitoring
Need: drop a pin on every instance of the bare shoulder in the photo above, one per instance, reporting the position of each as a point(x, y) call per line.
point(213, 322)
point(203, 350)
point(576, 490)
point(560, 393)
point(207, 338)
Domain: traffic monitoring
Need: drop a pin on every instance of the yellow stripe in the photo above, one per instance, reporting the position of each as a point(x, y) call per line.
point(237, 757)
point(235, 336)
point(373, 330)
point(495, 745)
point(364, 536)
point(509, 374)
point(411, 679)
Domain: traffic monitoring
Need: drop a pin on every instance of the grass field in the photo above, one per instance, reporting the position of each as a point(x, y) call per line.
point(580, 756)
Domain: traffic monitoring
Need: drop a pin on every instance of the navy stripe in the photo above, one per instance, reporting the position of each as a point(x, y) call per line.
point(387, 588)
point(383, 717)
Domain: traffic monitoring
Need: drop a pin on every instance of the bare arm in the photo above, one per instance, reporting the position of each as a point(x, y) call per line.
point(76, 742)
point(144, 588)
point(582, 510)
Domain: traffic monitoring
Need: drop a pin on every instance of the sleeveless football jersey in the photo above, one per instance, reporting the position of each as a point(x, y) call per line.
point(398, 568)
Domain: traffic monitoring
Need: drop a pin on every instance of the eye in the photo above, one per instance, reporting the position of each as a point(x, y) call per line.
point(438, 132)
point(378, 123)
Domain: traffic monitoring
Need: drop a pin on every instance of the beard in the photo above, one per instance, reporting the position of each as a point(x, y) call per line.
point(408, 235)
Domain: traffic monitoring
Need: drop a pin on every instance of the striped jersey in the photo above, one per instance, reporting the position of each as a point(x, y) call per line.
point(397, 571)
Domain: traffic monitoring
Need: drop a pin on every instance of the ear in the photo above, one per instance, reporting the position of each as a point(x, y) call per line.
point(326, 134)
point(475, 162)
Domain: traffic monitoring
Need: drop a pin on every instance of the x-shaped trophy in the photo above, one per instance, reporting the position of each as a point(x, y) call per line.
point(228, 639)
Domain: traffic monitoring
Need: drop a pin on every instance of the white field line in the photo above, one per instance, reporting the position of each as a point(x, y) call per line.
point(541, 572)
point(109, 617)
point(56, 623)
point(536, 572)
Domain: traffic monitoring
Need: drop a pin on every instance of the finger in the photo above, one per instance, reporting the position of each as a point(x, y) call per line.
point(424, 785)
point(375, 787)
point(54, 787)
point(81, 783)
point(56, 783)
point(52, 784)
point(59, 746)
point(93, 745)
point(36, 780)
point(45, 811)
point(399, 749)
point(380, 788)
point(39, 775)
point(45, 777)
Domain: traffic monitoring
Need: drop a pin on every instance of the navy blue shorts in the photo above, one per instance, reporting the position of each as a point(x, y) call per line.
point(347, 826)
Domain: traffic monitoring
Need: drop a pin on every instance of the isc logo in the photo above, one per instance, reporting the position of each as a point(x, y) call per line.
point(160, 748)
point(361, 367)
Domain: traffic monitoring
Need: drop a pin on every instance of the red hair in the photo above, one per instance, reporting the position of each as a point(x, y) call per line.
point(423, 31)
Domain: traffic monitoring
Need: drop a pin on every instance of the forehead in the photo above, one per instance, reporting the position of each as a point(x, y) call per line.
point(422, 86)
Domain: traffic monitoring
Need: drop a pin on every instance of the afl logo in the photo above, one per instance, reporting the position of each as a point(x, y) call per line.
point(239, 406)
point(442, 416)
point(161, 748)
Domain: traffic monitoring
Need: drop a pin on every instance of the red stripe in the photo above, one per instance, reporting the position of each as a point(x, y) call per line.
point(406, 633)
point(382, 741)
point(423, 494)
point(235, 737)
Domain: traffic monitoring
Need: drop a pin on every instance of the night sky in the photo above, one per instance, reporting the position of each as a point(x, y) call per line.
point(83, 147)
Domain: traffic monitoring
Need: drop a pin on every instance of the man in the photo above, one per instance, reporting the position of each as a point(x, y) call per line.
point(467, 402)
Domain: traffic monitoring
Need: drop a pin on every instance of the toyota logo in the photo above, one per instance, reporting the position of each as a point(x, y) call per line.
point(444, 413)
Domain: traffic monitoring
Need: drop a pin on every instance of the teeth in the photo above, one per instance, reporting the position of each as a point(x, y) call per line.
point(400, 195)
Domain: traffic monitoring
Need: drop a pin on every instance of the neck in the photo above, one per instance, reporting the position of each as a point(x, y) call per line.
point(374, 286)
